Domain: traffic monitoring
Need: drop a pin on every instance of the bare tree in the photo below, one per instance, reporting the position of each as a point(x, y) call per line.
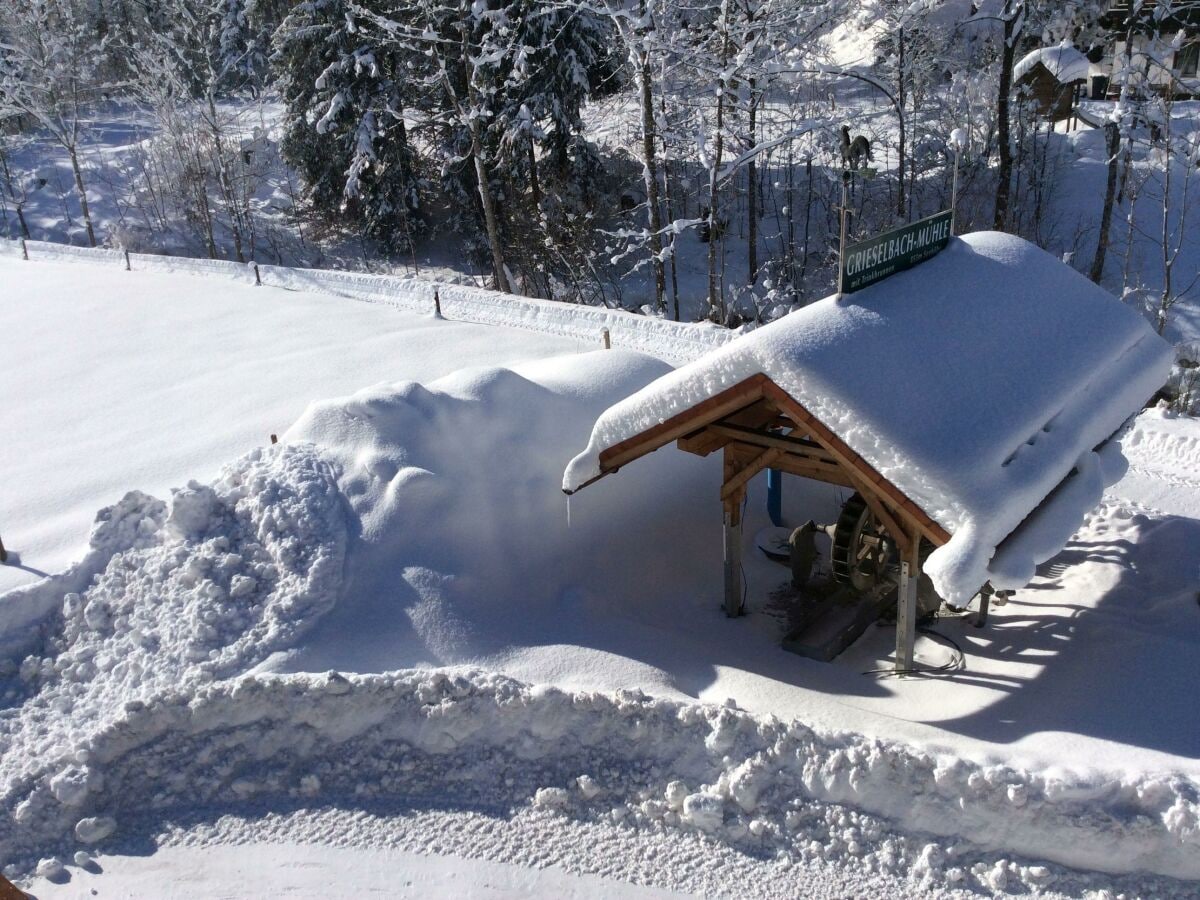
point(50, 70)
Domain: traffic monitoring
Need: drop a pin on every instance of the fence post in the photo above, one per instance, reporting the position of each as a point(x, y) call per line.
point(24, 250)
point(437, 304)
point(257, 277)
point(607, 338)
point(128, 268)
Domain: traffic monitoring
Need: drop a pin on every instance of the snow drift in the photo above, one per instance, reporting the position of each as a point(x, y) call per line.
point(420, 525)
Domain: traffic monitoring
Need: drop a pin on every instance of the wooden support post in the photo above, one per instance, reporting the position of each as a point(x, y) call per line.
point(437, 304)
point(906, 605)
point(257, 276)
point(731, 504)
point(607, 338)
point(981, 619)
point(906, 618)
point(24, 250)
point(735, 600)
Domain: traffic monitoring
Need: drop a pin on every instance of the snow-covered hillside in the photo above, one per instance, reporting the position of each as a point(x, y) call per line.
point(391, 633)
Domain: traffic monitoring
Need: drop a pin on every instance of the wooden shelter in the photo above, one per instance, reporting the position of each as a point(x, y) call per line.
point(946, 397)
point(757, 425)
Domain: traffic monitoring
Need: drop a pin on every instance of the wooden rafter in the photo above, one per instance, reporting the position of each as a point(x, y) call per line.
point(716, 407)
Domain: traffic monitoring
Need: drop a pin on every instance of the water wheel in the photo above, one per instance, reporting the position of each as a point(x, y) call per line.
point(864, 556)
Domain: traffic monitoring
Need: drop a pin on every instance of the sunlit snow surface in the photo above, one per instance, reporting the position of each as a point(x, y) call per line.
point(178, 691)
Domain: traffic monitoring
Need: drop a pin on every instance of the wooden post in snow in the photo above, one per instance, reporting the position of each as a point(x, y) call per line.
point(735, 598)
point(24, 250)
point(257, 277)
point(274, 439)
point(607, 338)
point(437, 304)
point(906, 604)
point(128, 268)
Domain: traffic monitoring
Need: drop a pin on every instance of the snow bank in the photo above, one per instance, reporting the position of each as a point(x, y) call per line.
point(975, 383)
point(171, 596)
point(1064, 62)
point(673, 341)
point(769, 787)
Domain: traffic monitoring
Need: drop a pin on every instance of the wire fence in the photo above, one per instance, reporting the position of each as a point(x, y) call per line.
point(675, 342)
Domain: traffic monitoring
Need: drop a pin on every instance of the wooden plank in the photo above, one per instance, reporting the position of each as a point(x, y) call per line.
point(817, 472)
point(716, 407)
point(701, 443)
point(762, 438)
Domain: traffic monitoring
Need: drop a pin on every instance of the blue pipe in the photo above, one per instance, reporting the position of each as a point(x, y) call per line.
point(775, 497)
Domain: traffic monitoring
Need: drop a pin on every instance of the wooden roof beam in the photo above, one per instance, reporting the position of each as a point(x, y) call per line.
point(716, 407)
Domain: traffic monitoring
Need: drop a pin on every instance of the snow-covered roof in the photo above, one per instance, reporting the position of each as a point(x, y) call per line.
point(974, 383)
point(1064, 62)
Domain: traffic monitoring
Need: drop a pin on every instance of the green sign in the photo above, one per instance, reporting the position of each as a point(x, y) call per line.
point(894, 251)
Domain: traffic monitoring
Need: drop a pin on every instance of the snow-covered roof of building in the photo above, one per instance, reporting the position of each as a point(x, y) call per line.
point(1064, 62)
point(974, 383)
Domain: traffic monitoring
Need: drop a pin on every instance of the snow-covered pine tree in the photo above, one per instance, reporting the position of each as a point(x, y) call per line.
point(344, 127)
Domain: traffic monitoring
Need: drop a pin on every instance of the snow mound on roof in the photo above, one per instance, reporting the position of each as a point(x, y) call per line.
point(1064, 62)
point(975, 383)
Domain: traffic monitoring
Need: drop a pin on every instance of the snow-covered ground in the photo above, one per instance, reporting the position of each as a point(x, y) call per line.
point(515, 680)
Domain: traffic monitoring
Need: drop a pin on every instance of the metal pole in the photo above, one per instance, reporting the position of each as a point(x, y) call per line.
point(954, 193)
point(845, 213)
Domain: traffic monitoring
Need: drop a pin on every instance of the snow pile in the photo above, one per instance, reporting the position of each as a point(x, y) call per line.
point(1064, 62)
point(472, 739)
point(170, 596)
point(464, 544)
point(975, 383)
